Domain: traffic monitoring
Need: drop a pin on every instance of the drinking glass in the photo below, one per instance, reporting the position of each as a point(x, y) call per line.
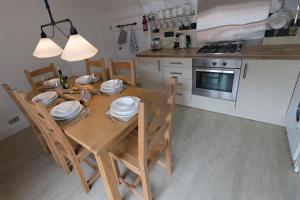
point(85, 96)
point(58, 88)
point(43, 82)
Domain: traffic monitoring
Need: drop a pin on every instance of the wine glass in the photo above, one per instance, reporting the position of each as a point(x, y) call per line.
point(58, 88)
point(43, 82)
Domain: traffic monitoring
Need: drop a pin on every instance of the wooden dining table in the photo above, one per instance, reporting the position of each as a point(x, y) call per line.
point(97, 132)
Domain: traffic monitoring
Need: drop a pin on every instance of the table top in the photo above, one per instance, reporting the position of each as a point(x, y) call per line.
point(97, 131)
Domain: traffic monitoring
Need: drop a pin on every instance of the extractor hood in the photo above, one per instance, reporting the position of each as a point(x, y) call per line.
point(232, 20)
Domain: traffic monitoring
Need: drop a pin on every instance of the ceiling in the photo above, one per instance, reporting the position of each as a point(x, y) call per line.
point(109, 5)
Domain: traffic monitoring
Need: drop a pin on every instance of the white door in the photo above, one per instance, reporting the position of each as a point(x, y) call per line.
point(266, 88)
point(150, 73)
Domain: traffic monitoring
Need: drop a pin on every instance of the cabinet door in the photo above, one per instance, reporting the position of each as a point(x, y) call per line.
point(149, 73)
point(266, 88)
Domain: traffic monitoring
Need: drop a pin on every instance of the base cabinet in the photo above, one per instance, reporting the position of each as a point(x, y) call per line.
point(150, 73)
point(264, 94)
point(266, 88)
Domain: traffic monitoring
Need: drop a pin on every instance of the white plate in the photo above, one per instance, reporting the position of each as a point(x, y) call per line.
point(124, 113)
point(124, 118)
point(112, 84)
point(45, 97)
point(125, 103)
point(71, 116)
point(84, 79)
point(52, 82)
point(65, 109)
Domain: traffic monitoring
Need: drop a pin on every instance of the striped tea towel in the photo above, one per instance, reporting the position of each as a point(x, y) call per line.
point(133, 46)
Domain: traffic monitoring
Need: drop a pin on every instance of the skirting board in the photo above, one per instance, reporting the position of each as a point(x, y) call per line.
point(10, 130)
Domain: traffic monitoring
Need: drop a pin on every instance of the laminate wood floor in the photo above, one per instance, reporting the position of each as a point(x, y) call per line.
point(216, 157)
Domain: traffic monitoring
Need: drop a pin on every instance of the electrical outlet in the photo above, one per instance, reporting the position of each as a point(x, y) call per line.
point(13, 120)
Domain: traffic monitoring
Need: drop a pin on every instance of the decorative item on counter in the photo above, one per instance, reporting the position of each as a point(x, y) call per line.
point(145, 23)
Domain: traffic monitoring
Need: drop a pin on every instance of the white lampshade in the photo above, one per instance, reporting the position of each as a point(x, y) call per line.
point(47, 48)
point(78, 48)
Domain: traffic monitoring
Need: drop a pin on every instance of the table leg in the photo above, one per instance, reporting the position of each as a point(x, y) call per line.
point(107, 174)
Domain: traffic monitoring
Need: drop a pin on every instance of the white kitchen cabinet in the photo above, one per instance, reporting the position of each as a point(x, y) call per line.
point(266, 88)
point(150, 73)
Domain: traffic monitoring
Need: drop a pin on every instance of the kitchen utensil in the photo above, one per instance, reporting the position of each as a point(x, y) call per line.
point(296, 17)
point(180, 11)
point(187, 8)
point(156, 44)
point(280, 19)
point(174, 12)
point(167, 13)
point(160, 14)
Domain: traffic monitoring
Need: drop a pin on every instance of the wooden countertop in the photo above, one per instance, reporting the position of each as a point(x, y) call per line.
point(272, 52)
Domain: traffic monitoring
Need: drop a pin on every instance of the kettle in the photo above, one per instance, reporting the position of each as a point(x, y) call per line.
point(156, 44)
point(184, 41)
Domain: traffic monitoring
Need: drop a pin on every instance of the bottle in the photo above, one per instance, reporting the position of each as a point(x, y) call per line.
point(63, 79)
point(145, 23)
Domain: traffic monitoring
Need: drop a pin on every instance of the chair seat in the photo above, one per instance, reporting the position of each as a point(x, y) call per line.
point(127, 150)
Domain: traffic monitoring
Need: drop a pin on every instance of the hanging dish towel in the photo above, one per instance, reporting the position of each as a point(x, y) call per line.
point(122, 37)
point(133, 46)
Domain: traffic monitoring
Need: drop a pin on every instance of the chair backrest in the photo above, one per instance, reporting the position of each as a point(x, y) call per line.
point(45, 122)
point(123, 70)
point(17, 102)
point(100, 64)
point(155, 121)
point(38, 73)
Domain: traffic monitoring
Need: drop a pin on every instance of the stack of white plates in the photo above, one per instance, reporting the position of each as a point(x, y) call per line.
point(85, 79)
point(46, 98)
point(124, 108)
point(52, 82)
point(66, 110)
point(112, 86)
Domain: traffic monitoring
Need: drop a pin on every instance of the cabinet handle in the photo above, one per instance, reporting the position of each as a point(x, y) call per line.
point(177, 73)
point(245, 71)
point(180, 84)
point(176, 63)
point(178, 94)
point(158, 66)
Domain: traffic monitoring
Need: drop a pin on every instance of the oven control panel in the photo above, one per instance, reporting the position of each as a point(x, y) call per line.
point(217, 63)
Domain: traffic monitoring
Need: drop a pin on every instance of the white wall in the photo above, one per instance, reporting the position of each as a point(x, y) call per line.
point(20, 31)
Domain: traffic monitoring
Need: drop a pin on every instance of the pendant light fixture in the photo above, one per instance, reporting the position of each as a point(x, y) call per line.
point(76, 49)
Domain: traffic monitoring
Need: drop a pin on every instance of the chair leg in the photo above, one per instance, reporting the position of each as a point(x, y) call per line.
point(116, 169)
point(81, 176)
point(63, 162)
point(169, 158)
point(41, 140)
point(146, 185)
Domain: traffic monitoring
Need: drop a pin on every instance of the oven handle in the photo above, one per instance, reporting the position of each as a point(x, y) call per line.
point(215, 71)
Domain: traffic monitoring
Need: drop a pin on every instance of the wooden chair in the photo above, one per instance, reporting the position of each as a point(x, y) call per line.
point(35, 129)
point(100, 64)
point(65, 148)
point(38, 73)
point(140, 151)
point(117, 69)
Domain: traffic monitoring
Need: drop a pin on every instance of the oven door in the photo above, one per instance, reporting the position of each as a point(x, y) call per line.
point(220, 83)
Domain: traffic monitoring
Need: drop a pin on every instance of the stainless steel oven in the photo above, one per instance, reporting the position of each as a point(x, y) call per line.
point(216, 78)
